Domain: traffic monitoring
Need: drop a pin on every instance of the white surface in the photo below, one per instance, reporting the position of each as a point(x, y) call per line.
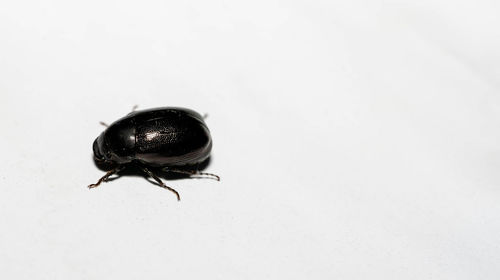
point(355, 139)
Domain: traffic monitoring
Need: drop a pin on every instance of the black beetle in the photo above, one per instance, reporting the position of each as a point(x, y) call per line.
point(173, 139)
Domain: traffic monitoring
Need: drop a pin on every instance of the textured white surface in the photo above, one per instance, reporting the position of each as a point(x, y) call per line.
point(355, 139)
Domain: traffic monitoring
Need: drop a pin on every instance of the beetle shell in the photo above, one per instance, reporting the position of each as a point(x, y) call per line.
point(162, 137)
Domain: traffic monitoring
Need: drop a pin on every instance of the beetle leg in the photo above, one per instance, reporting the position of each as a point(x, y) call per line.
point(105, 177)
point(152, 175)
point(104, 124)
point(135, 107)
point(187, 172)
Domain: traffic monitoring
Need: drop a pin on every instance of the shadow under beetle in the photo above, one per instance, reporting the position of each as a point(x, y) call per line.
point(173, 139)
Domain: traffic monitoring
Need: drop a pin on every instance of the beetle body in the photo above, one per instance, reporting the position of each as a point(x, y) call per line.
point(167, 137)
point(156, 137)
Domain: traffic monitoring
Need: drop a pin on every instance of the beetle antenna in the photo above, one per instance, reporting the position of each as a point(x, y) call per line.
point(104, 124)
point(160, 182)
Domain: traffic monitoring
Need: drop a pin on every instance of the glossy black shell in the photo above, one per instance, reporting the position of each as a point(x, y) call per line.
point(164, 136)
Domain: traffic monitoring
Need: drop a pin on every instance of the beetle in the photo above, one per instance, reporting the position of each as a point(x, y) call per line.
point(173, 139)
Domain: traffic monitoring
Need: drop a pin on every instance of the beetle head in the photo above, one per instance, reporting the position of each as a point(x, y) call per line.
point(115, 146)
point(101, 153)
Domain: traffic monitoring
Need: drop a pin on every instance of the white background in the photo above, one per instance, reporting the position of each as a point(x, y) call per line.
point(355, 139)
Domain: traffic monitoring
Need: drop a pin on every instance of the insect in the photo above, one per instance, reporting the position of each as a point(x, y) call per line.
point(168, 138)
